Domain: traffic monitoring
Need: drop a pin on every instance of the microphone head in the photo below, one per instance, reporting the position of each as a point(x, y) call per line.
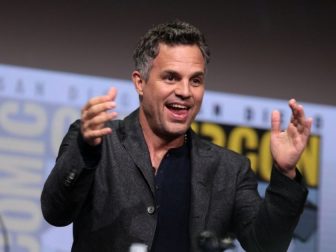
point(226, 243)
point(208, 242)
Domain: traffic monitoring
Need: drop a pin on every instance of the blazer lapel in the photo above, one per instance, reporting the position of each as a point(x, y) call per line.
point(202, 172)
point(134, 143)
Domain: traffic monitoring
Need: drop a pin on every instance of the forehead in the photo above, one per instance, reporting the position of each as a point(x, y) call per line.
point(179, 56)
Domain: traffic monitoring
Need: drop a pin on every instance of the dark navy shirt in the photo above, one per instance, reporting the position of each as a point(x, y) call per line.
point(172, 183)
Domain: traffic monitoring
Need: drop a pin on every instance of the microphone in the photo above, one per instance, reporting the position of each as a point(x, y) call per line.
point(209, 242)
point(138, 247)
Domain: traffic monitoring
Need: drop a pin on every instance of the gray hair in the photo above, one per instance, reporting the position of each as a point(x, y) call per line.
point(172, 33)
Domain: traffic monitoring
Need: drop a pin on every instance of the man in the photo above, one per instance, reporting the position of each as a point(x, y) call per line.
point(149, 178)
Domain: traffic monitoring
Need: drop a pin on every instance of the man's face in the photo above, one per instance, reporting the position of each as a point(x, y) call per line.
point(173, 93)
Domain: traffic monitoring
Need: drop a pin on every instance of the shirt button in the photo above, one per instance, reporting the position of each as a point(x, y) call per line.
point(150, 209)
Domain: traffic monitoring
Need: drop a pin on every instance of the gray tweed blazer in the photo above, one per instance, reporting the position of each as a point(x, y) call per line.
point(107, 192)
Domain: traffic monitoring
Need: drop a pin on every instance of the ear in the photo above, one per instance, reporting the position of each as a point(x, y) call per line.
point(138, 82)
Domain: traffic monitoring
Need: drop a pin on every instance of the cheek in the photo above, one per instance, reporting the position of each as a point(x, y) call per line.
point(198, 98)
point(153, 102)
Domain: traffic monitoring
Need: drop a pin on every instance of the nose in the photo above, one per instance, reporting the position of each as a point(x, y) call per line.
point(182, 89)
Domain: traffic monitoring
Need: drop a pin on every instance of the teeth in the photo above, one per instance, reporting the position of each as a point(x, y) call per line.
point(178, 106)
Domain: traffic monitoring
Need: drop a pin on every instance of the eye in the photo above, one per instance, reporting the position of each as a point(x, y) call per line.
point(170, 78)
point(196, 82)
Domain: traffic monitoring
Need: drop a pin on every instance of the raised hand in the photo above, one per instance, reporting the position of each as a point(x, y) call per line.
point(95, 114)
point(287, 146)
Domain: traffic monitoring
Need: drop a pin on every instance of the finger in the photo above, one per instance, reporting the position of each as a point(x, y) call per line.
point(301, 115)
point(96, 100)
point(112, 93)
point(293, 106)
point(99, 120)
point(94, 136)
point(97, 109)
point(297, 112)
point(308, 124)
point(295, 122)
point(275, 122)
point(297, 109)
point(93, 131)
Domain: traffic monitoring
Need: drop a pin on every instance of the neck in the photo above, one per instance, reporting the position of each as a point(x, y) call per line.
point(158, 147)
point(156, 139)
point(157, 144)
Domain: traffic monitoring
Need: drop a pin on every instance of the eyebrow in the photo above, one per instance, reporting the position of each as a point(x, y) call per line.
point(196, 74)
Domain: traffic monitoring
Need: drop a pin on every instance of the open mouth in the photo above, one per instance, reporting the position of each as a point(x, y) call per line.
point(179, 111)
point(177, 107)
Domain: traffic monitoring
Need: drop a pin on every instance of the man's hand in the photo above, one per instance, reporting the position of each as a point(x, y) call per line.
point(287, 146)
point(95, 114)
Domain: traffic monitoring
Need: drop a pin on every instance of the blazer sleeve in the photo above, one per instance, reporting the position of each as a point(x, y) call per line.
point(268, 224)
point(66, 188)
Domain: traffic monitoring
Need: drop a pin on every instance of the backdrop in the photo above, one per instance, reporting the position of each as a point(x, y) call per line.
point(37, 106)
